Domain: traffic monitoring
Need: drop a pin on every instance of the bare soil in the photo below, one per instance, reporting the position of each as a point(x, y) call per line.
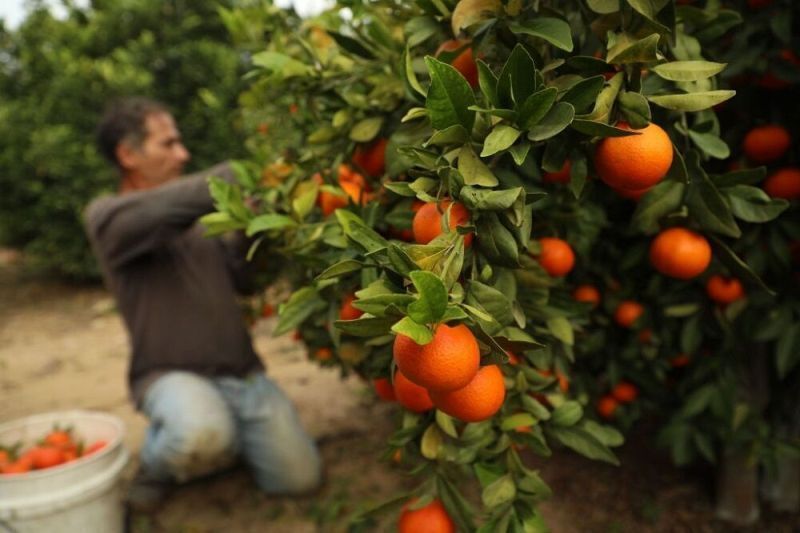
point(64, 347)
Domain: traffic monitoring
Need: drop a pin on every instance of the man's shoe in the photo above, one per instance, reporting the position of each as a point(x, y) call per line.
point(146, 493)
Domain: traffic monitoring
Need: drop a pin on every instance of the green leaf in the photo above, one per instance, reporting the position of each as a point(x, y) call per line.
point(691, 335)
point(599, 129)
point(281, 64)
point(485, 200)
point(663, 199)
point(473, 170)
point(445, 423)
point(584, 443)
point(787, 350)
point(493, 301)
point(738, 268)
point(536, 106)
point(487, 82)
point(518, 420)
point(448, 136)
point(499, 492)
point(418, 332)
point(561, 329)
point(603, 7)
point(301, 304)
point(630, 50)
point(432, 298)
point(710, 144)
point(496, 241)
point(218, 223)
point(608, 435)
point(697, 401)
point(647, 8)
point(499, 139)
point(431, 442)
point(688, 70)
point(366, 130)
point(410, 75)
point(750, 176)
point(517, 80)
point(449, 97)
point(268, 222)
point(339, 269)
point(351, 45)
point(567, 414)
point(706, 204)
point(554, 31)
point(559, 117)
point(361, 234)
point(584, 93)
point(365, 326)
point(635, 108)
point(692, 101)
point(752, 204)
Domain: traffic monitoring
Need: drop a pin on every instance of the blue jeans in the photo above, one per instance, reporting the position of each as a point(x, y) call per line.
point(200, 425)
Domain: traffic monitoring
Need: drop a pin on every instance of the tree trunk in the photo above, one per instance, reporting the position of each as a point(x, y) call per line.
point(737, 489)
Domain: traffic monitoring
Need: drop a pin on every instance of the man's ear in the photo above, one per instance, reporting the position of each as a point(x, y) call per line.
point(127, 155)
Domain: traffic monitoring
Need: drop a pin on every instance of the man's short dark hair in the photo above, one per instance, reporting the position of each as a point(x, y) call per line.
point(124, 120)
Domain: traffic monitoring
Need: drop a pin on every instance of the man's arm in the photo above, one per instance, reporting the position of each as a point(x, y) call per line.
point(124, 227)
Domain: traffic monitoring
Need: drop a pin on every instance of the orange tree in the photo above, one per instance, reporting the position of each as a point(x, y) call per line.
point(444, 234)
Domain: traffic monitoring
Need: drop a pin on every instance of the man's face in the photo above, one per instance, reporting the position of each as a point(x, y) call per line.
point(162, 155)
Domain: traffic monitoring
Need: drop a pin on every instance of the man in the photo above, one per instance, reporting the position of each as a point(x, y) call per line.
point(193, 370)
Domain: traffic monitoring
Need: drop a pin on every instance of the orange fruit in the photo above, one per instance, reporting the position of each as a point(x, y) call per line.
point(20, 466)
point(371, 157)
point(463, 62)
point(724, 290)
point(479, 400)
point(345, 173)
point(784, 183)
point(410, 395)
point(513, 359)
point(267, 310)
point(96, 446)
point(645, 336)
point(347, 311)
point(46, 456)
point(764, 144)
point(561, 176)
point(384, 389)
point(627, 313)
point(448, 362)
point(427, 223)
point(759, 4)
point(330, 202)
point(625, 392)
point(680, 253)
point(606, 407)
point(432, 518)
point(635, 162)
point(680, 360)
point(323, 354)
point(556, 256)
point(587, 294)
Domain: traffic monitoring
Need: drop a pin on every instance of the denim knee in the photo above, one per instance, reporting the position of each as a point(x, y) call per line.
point(196, 448)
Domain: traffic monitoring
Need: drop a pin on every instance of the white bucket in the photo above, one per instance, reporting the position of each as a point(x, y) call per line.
point(82, 496)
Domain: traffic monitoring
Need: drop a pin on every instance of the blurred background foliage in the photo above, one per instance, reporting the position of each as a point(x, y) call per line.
point(56, 77)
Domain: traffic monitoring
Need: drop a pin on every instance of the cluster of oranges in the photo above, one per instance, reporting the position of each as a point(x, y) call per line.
point(623, 392)
point(446, 374)
point(767, 145)
point(56, 448)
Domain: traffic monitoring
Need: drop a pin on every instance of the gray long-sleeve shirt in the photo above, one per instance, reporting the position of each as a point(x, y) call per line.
point(175, 288)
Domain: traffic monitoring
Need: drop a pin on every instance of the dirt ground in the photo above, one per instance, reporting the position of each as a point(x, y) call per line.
point(65, 347)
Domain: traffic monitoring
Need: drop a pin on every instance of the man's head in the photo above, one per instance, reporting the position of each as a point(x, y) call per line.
point(140, 137)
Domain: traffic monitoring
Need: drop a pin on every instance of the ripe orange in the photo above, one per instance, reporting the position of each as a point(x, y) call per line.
point(513, 359)
point(58, 439)
point(46, 456)
point(345, 173)
point(371, 157)
point(427, 223)
point(680, 253)
point(384, 389)
point(323, 354)
point(724, 290)
point(96, 446)
point(330, 202)
point(587, 294)
point(347, 311)
point(20, 466)
point(479, 400)
point(784, 183)
point(410, 395)
point(606, 406)
point(447, 363)
point(432, 518)
point(635, 162)
point(556, 256)
point(764, 144)
point(267, 310)
point(625, 392)
point(561, 176)
point(627, 313)
point(463, 62)
point(680, 360)
point(759, 4)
